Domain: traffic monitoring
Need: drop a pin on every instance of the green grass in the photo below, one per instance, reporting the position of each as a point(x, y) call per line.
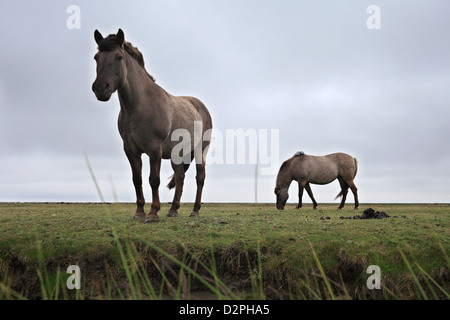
point(232, 251)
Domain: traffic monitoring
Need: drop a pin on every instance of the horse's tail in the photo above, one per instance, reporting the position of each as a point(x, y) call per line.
point(354, 175)
point(172, 182)
point(339, 195)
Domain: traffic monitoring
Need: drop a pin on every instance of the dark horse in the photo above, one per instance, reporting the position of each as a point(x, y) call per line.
point(306, 169)
point(148, 117)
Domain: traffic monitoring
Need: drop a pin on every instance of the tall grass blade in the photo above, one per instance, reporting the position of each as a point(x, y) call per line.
point(413, 275)
point(325, 279)
point(125, 265)
point(113, 189)
point(214, 270)
point(10, 293)
point(434, 282)
point(180, 264)
point(260, 278)
point(42, 271)
point(93, 176)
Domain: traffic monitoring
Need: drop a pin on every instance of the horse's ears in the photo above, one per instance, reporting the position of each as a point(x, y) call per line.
point(120, 37)
point(98, 37)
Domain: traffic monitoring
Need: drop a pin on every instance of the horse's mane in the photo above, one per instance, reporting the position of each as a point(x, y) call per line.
point(110, 43)
point(297, 154)
point(284, 164)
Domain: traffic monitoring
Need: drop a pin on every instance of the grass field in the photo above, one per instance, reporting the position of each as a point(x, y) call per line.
point(235, 251)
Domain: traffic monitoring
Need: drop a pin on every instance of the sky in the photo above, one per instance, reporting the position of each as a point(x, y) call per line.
point(312, 73)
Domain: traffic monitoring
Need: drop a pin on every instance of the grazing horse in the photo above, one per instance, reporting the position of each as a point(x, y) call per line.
point(148, 117)
point(306, 169)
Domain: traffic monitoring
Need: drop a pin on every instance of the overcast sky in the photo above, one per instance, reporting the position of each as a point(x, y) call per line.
point(310, 69)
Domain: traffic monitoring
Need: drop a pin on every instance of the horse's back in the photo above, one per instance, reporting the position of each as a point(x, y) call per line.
point(201, 109)
point(325, 169)
point(318, 169)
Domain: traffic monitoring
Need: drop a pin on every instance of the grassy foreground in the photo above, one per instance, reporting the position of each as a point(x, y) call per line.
point(232, 251)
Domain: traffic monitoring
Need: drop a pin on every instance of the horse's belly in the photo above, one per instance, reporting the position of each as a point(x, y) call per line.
point(323, 177)
point(322, 181)
point(180, 147)
point(175, 149)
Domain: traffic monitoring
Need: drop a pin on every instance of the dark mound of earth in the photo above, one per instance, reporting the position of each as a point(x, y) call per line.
point(370, 213)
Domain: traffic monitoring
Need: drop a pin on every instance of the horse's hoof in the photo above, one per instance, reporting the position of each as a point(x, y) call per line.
point(139, 216)
point(194, 214)
point(151, 219)
point(172, 213)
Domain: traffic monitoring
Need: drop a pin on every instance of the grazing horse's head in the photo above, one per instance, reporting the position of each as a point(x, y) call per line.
point(111, 66)
point(282, 197)
point(282, 185)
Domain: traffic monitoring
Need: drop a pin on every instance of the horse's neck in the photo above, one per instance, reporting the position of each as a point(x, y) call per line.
point(138, 88)
point(284, 179)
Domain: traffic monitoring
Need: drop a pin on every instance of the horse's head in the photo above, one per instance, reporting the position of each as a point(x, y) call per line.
point(282, 185)
point(111, 66)
point(282, 196)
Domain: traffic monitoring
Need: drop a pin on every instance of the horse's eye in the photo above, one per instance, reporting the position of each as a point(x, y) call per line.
point(119, 58)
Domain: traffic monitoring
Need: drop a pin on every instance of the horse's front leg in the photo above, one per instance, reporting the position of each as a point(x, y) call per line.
point(136, 169)
point(155, 168)
point(308, 189)
point(301, 186)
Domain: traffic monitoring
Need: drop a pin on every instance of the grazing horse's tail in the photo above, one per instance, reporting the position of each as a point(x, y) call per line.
point(339, 195)
point(354, 175)
point(172, 182)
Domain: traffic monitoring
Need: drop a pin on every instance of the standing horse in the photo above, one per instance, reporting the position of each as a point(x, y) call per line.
point(307, 169)
point(148, 117)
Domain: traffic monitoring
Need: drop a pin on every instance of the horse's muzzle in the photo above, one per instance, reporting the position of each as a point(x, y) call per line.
point(102, 89)
point(281, 202)
point(281, 206)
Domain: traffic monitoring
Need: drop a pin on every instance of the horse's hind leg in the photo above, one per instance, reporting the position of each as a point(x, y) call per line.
point(343, 193)
point(301, 186)
point(200, 179)
point(355, 193)
point(179, 174)
point(310, 194)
